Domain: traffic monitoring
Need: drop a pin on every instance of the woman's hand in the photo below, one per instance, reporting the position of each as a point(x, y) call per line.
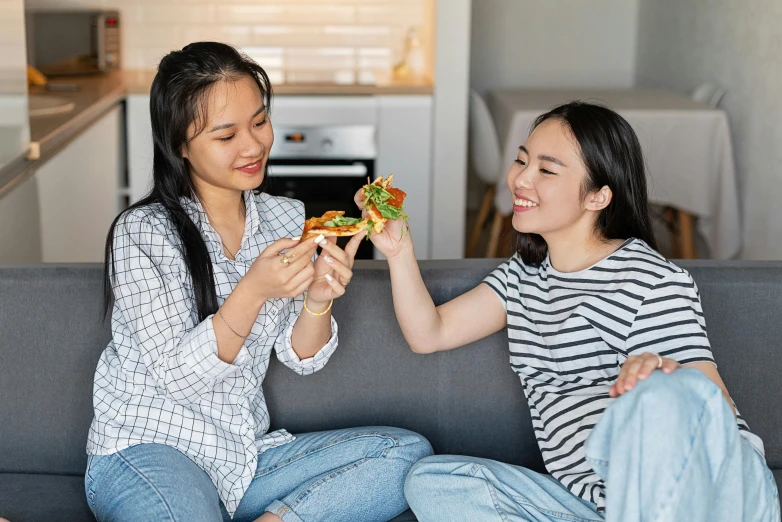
point(639, 367)
point(283, 275)
point(333, 271)
point(395, 236)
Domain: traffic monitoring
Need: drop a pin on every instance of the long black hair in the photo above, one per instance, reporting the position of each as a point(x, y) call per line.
point(612, 155)
point(178, 98)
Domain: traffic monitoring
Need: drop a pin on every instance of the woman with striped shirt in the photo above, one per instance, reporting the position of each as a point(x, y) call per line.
point(609, 341)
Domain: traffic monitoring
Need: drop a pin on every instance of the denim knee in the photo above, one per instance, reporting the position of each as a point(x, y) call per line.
point(410, 446)
point(422, 477)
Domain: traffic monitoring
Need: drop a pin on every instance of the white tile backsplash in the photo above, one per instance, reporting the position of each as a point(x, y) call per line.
point(307, 40)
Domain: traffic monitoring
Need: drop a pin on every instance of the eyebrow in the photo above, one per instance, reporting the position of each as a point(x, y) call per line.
point(543, 157)
point(223, 126)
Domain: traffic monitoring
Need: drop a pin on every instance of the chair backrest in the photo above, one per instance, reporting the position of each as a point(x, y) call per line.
point(484, 143)
point(709, 93)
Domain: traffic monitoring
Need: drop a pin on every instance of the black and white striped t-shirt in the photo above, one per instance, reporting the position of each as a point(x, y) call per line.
point(570, 333)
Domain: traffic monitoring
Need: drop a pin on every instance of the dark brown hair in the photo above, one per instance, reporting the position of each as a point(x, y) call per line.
point(612, 156)
point(178, 98)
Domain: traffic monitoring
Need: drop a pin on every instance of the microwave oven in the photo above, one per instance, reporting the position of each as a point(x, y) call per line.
point(73, 42)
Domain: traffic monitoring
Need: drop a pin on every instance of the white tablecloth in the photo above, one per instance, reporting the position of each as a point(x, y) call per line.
point(686, 145)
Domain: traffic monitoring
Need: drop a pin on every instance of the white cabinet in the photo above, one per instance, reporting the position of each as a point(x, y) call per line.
point(20, 231)
point(78, 193)
point(404, 138)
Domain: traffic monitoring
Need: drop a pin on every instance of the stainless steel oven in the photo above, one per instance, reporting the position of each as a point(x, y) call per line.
point(323, 167)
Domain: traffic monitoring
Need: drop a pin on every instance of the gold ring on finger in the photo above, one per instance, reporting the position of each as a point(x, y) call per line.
point(659, 361)
point(285, 261)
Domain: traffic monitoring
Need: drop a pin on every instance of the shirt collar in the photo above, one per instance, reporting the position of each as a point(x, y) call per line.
point(195, 210)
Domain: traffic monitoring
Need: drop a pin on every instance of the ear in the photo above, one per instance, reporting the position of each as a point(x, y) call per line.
point(183, 151)
point(599, 200)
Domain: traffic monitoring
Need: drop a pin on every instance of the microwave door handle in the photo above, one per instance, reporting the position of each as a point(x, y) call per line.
point(100, 33)
point(340, 171)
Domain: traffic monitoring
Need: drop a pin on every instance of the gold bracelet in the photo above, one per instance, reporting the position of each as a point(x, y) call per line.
point(324, 312)
point(220, 312)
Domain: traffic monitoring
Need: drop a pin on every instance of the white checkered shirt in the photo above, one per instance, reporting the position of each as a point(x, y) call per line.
point(160, 380)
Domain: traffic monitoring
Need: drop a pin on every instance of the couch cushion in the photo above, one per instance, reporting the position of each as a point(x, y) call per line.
point(51, 336)
point(742, 301)
point(465, 401)
point(55, 498)
point(32, 498)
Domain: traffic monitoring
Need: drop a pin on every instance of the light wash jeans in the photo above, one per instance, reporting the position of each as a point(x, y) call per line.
point(668, 451)
point(347, 475)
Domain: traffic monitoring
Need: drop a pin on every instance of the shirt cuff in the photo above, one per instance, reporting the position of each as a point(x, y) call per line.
point(289, 358)
point(201, 355)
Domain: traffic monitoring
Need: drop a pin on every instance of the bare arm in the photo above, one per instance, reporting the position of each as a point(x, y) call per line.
point(267, 278)
point(427, 329)
point(711, 372)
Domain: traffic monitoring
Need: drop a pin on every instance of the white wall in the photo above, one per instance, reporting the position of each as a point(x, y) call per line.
point(294, 40)
point(449, 127)
point(737, 44)
point(553, 43)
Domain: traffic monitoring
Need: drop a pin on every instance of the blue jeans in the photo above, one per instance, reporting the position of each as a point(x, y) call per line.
point(669, 450)
point(348, 475)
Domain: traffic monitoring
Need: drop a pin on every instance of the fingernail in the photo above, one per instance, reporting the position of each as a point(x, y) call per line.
point(319, 238)
point(328, 259)
point(297, 238)
point(323, 243)
point(330, 279)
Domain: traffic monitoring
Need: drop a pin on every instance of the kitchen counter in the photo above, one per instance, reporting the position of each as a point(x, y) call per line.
point(97, 95)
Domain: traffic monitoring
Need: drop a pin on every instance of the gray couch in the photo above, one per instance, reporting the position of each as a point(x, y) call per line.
point(51, 337)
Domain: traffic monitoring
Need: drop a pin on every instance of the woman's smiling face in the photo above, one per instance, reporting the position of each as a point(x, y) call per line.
point(232, 149)
point(546, 181)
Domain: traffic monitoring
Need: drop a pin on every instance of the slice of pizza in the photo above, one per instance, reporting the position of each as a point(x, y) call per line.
point(333, 223)
point(383, 202)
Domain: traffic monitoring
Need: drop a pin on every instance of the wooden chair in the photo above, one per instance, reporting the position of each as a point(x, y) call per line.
point(486, 159)
point(709, 93)
point(681, 226)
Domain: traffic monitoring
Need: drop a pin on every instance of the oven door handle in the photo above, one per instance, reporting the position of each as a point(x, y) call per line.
point(342, 171)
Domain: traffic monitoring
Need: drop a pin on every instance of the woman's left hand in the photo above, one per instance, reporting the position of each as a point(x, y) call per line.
point(333, 270)
point(639, 367)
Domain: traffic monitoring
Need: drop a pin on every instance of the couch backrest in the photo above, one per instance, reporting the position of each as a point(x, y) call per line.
point(466, 401)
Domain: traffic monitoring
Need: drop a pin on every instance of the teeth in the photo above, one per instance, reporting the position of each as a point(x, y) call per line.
point(524, 203)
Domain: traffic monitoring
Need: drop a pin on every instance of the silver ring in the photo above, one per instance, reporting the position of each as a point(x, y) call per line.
point(659, 361)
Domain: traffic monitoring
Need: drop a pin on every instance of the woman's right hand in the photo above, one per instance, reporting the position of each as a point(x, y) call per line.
point(272, 277)
point(395, 237)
